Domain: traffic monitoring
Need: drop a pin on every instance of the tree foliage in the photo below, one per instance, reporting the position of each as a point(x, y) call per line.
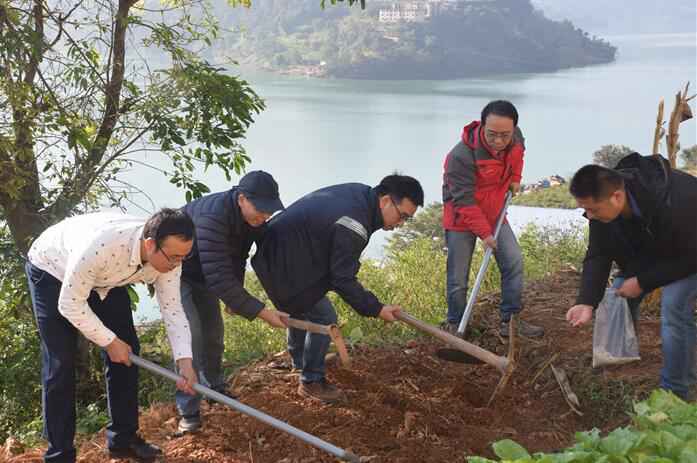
point(87, 87)
point(689, 157)
point(427, 224)
point(610, 155)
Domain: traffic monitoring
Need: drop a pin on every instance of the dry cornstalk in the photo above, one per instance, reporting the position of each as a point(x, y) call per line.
point(658, 133)
point(681, 113)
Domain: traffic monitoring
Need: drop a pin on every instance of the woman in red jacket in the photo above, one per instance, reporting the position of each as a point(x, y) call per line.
point(478, 171)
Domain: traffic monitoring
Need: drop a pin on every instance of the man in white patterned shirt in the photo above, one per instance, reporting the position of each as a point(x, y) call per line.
point(78, 271)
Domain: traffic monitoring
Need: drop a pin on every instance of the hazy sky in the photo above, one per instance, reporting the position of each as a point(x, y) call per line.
point(608, 17)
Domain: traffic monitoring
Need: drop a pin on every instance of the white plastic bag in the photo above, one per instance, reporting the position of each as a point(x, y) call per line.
point(614, 338)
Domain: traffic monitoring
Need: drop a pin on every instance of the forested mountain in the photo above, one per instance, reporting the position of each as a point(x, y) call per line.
point(415, 39)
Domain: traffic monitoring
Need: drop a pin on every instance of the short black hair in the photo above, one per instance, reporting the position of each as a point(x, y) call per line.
point(168, 222)
point(400, 187)
point(597, 182)
point(503, 108)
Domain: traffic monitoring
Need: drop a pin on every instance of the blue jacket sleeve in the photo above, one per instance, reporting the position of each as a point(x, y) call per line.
point(346, 250)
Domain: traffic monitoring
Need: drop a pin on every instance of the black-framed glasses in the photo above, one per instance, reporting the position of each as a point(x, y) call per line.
point(175, 260)
point(403, 216)
point(503, 136)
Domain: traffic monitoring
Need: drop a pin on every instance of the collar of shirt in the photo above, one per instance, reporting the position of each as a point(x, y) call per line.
point(633, 205)
point(135, 259)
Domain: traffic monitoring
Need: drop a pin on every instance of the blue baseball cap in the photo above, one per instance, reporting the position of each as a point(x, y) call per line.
point(261, 189)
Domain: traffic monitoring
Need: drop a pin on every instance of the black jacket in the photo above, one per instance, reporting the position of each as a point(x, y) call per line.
point(221, 249)
point(658, 248)
point(314, 246)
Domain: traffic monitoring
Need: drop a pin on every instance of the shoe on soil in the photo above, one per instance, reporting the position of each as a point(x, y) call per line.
point(320, 390)
point(451, 328)
point(524, 329)
point(221, 389)
point(138, 450)
point(189, 424)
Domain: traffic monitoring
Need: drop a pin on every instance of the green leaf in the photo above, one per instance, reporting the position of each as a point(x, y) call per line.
point(133, 296)
point(510, 450)
point(356, 334)
point(620, 441)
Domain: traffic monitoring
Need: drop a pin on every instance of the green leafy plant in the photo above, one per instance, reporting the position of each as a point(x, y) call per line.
point(663, 430)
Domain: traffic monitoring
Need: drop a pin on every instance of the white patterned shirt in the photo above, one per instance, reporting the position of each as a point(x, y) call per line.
point(98, 252)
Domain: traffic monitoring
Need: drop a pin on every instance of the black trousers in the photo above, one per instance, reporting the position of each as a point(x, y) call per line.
point(58, 354)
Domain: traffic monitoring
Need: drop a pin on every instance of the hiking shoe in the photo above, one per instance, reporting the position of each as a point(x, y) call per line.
point(524, 329)
point(138, 449)
point(320, 390)
point(451, 328)
point(189, 424)
point(221, 389)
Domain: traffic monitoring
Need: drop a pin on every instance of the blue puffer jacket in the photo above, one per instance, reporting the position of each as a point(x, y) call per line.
point(221, 249)
point(314, 246)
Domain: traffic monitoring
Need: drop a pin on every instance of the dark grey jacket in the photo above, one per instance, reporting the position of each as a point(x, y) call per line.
point(221, 249)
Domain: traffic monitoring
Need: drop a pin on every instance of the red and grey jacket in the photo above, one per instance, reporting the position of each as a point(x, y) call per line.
point(475, 181)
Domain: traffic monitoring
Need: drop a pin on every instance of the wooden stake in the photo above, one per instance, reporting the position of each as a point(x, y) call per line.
point(658, 133)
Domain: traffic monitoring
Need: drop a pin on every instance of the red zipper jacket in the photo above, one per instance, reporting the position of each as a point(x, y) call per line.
point(475, 181)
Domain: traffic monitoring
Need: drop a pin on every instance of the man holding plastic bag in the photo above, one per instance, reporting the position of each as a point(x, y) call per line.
point(643, 216)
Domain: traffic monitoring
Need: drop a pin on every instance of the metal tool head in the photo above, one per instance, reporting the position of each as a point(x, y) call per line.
point(456, 355)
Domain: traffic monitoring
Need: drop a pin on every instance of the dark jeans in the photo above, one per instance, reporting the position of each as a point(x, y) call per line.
point(58, 353)
point(309, 349)
point(678, 333)
point(202, 310)
point(508, 258)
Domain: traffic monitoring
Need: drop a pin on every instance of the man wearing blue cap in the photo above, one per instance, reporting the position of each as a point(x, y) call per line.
point(226, 225)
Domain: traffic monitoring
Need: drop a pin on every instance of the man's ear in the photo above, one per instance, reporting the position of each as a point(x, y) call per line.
point(150, 244)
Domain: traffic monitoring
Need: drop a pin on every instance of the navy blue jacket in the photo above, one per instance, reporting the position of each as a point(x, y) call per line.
point(221, 249)
point(659, 246)
point(314, 246)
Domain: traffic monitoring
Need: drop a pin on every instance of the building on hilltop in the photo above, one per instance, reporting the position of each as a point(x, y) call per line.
point(424, 10)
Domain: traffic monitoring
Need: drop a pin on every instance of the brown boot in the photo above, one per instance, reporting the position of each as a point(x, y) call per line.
point(525, 329)
point(320, 390)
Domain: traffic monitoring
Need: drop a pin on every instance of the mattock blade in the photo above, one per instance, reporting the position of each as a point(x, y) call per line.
point(512, 358)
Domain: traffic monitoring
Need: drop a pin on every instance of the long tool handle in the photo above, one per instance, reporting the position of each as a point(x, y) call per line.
point(249, 411)
point(482, 270)
point(307, 326)
point(472, 349)
point(332, 331)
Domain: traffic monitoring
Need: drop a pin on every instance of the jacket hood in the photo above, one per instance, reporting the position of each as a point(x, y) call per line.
point(649, 180)
point(470, 134)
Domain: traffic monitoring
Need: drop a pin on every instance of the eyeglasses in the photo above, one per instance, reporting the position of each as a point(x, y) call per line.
point(175, 260)
point(403, 216)
point(491, 135)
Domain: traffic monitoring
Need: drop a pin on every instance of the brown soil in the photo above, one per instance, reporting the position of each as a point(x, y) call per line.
point(406, 405)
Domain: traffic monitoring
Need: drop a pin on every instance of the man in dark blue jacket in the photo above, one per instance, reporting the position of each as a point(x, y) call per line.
point(643, 216)
point(314, 247)
point(226, 224)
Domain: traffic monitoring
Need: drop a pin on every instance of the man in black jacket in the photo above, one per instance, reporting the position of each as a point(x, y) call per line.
point(314, 247)
point(643, 216)
point(226, 224)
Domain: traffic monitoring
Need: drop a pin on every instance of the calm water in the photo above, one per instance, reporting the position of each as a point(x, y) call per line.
point(320, 132)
